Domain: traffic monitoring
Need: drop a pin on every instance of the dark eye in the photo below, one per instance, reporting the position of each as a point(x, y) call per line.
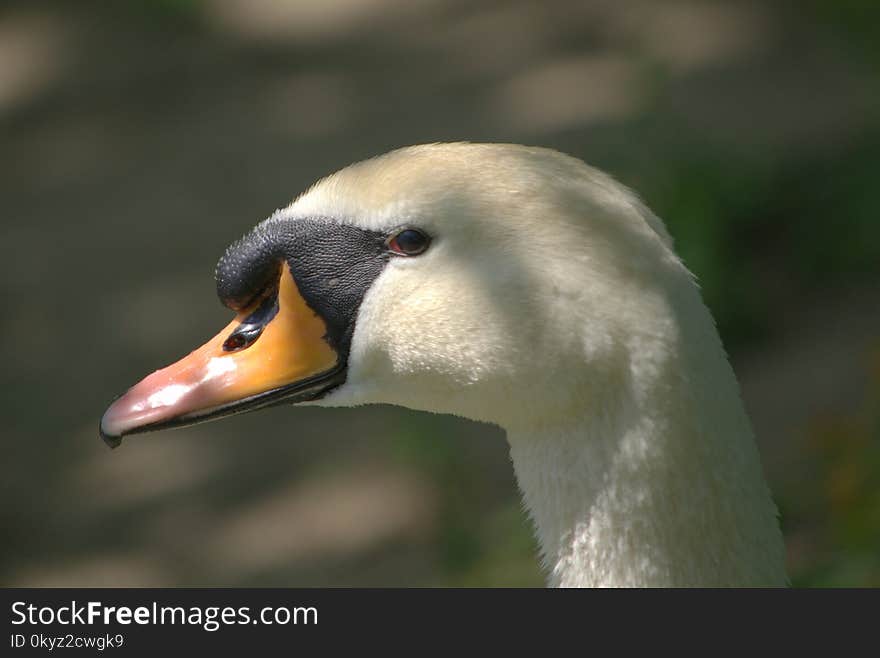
point(408, 242)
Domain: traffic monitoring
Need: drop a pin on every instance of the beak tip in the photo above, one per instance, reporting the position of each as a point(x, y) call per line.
point(112, 440)
point(109, 429)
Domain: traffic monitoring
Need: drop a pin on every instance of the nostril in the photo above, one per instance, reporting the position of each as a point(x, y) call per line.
point(250, 329)
point(244, 336)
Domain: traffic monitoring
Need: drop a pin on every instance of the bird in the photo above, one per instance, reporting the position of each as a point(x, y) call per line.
point(516, 286)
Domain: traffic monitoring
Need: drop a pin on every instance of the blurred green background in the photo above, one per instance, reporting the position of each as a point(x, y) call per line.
point(138, 138)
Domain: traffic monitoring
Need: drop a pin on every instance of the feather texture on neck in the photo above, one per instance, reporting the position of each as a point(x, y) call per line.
point(660, 483)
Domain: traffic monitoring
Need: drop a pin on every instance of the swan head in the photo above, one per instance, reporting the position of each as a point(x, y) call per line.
point(497, 282)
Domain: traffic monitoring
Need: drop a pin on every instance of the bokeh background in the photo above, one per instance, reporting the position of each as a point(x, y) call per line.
point(138, 138)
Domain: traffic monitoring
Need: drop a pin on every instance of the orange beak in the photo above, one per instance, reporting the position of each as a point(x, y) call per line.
point(261, 358)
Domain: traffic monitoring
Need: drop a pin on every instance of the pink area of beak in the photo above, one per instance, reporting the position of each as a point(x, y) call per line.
point(192, 386)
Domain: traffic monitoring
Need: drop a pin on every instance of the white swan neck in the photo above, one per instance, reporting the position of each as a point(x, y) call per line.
point(649, 497)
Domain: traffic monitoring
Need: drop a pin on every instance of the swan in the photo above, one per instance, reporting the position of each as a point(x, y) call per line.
point(516, 286)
